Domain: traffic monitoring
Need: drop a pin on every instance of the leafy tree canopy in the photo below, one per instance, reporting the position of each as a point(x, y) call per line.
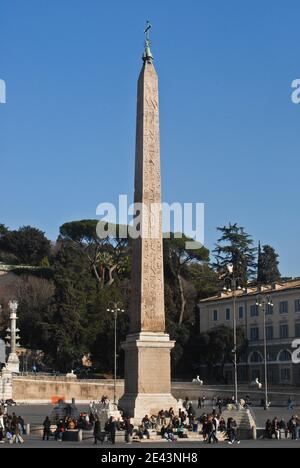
point(235, 248)
point(268, 265)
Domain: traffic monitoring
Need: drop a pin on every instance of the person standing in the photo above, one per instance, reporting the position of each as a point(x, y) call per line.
point(128, 430)
point(199, 403)
point(283, 429)
point(219, 404)
point(60, 429)
point(275, 428)
point(97, 431)
point(268, 429)
point(2, 428)
point(47, 428)
point(112, 429)
point(294, 427)
point(22, 424)
point(290, 404)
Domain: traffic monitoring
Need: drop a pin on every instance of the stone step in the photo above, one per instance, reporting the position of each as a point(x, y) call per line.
point(192, 437)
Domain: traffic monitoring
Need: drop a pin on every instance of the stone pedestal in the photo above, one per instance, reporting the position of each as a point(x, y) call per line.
point(13, 363)
point(147, 375)
point(6, 384)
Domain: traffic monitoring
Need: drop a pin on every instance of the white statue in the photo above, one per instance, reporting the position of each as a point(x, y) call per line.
point(198, 381)
point(71, 375)
point(256, 384)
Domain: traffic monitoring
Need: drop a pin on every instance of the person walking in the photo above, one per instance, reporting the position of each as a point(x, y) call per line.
point(47, 428)
point(232, 431)
point(290, 404)
point(211, 428)
point(17, 438)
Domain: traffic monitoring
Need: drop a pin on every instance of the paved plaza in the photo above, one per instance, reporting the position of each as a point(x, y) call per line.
point(35, 415)
point(34, 442)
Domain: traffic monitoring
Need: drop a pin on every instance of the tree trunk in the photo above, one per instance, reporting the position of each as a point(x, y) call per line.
point(110, 274)
point(96, 273)
point(183, 301)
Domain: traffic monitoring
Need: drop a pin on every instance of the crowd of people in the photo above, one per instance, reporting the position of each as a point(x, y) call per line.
point(169, 425)
point(12, 428)
point(172, 427)
point(85, 421)
point(281, 429)
point(222, 402)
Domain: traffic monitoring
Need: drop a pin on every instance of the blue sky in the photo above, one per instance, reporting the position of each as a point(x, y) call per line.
point(229, 131)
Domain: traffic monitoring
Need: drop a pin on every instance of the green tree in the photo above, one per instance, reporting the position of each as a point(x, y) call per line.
point(215, 349)
point(108, 257)
point(205, 280)
point(267, 267)
point(3, 231)
point(235, 248)
point(177, 258)
point(72, 318)
point(34, 295)
point(28, 244)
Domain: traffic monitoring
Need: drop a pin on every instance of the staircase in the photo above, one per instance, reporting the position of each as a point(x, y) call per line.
point(245, 422)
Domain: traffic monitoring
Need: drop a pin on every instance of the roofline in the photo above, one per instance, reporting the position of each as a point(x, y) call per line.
point(254, 291)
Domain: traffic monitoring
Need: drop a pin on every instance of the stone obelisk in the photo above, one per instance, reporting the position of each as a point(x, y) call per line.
point(147, 347)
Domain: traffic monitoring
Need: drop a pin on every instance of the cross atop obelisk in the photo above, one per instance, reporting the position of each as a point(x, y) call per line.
point(147, 57)
point(147, 30)
point(147, 348)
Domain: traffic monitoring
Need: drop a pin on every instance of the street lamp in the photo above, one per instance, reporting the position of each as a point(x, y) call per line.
point(263, 302)
point(115, 309)
point(232, 285)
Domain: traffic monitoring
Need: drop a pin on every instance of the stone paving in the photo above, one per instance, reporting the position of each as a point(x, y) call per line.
point(36, 414)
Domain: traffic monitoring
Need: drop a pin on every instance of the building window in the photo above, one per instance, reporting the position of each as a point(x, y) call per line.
point(241, 313)
point(285, 375)
point(297, 305)
point(227, 314)
point(297, 330)
point(270, 332)
point(229, 376)
point(285, 356)
point(284, 331)
point(283, 307)
point(254, 311)
point(215, 316)
point(256, 358)
point(269, 309)
point(254, 334)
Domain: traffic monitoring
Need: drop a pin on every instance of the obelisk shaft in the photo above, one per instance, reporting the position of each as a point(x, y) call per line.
point(147, 347)
point(147, 310)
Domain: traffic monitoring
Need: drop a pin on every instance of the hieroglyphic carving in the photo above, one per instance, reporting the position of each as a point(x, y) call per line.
point(147, 312)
